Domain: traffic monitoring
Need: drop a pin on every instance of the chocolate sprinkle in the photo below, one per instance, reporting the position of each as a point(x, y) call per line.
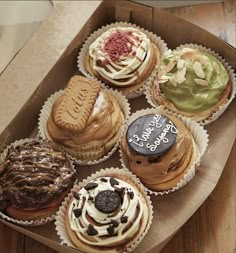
point(77, 212)
point(115, 223)
point(110, 230)
point(91, 230)
point(90, 186)
point(124, 219)
point(113, 181)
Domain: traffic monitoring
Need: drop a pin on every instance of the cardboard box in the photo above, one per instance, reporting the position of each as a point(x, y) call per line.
point(47, 62)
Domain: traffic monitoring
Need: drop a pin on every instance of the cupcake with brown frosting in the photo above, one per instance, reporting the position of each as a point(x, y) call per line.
point(109, 212)
point(122, 56)
point(34, 179)
point(160, 149)
point(84, 118)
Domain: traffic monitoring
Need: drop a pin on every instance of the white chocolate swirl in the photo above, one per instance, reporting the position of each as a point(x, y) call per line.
point(128, 59)
point(130, 207)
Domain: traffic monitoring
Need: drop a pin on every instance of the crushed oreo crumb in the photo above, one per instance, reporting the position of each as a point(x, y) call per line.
point(115, 223)
point(110, 230)
point(90, 186)
point(131, 194)
point(120, 190)
point(76, 195)
point(90, 198)
point(77, 212)
point(124, 219)
point(91, 230)
point(113, 181)
point(103, 179)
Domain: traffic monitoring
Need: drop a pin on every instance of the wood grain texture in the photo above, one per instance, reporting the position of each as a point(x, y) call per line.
point(212, 228)
point(217, 18)
point(10, 240)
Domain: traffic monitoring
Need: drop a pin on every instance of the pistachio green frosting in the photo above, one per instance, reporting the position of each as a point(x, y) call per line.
point(189, 96)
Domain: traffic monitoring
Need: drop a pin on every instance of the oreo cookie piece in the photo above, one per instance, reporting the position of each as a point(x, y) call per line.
point(103, 179)
point(131, 194)
point(110, 230)
point(120, 190)
point(151, 135)
point(115, 223)
point(113, 181)
point(77, 212)
point(90, 186)
point(91, 230)
point(107, 201)
point(124, 219)
point(76, 195)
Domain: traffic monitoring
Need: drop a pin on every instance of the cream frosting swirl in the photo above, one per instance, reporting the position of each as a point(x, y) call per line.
point(120, 55)
point(110, 228)
point(192, 80)
point(99, 125)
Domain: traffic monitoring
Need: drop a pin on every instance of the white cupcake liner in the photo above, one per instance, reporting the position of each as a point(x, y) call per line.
point(38, 222)
point(200, 137)
point(60, 216)
point(162, 46)
point(45, 113)
point(232, 77)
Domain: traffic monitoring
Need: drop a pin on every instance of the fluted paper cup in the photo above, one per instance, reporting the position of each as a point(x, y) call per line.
point(122, 174)
point(200, 137)
point(158, 41)
point(4, 216)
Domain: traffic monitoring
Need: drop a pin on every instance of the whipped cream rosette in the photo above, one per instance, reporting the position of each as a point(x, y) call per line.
point(110, 212)
point(34, 179)
point(193, 81)
point(122, 56)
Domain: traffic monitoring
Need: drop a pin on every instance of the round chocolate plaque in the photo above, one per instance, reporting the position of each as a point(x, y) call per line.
point(151, 134)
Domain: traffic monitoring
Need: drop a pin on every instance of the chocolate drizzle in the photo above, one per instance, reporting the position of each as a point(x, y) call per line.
point(33, 174)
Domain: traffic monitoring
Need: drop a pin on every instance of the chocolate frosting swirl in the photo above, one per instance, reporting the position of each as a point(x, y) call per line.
point(33, 174)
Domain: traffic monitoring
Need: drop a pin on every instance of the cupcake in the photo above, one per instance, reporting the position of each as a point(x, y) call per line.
point(160, 149)
point(122, 57)
point(108, 213)
point(191, 82)
point(85, 119)
point(34, 179)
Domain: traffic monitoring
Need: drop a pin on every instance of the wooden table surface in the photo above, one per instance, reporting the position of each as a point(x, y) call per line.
point(212, 229)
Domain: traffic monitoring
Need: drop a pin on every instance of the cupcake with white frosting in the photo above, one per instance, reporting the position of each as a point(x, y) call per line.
point(122, 56)
point(111, 213)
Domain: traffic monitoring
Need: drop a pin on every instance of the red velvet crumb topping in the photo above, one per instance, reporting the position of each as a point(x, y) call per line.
point(118, 44)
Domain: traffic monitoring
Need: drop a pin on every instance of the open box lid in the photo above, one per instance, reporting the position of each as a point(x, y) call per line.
point(34, 74)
